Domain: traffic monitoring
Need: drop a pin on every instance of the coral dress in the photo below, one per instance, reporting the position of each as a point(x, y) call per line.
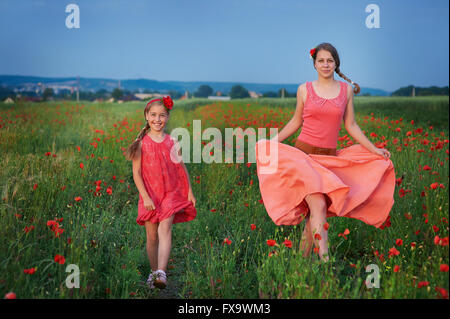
point(166, 183)
point(356, 183)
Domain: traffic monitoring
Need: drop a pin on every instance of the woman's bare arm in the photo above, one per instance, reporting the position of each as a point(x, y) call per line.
point(353, 128)
point(297, 119)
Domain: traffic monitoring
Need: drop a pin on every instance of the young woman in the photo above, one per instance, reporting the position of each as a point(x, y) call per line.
point(318, 181)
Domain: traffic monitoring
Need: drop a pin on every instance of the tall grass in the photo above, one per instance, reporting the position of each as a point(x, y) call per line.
point(217, 255)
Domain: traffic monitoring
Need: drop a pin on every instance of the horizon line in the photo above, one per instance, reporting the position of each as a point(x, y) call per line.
point(199, 81)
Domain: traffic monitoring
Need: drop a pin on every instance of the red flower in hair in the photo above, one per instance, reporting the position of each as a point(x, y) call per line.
point(312, 52)
point(168, 102)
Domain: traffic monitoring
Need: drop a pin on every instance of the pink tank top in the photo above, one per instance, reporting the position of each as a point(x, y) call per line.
point(322, 118)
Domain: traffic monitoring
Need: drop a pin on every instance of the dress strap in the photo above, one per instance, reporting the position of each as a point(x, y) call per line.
point(342, 97)
point(312, 94)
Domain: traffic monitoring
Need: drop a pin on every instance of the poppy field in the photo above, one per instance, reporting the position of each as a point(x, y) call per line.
point(67, 197)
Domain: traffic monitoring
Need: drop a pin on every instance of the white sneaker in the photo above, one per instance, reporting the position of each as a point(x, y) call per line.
point(151, 280)
point(160, 279)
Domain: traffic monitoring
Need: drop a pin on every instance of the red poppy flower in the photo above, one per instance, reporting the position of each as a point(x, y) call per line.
point(326, 226)
point(317, 236)
point(396, 268)
point(168, 102)
point(399, 242)
point(226, 241)
point(423, 284)
point(443, 268)
point(271, 242)
point(443, 293)
point(252, 226)
point(60, 259)
point(30, 271)
point(81, 165)
point(287, 243)
point(312, 51)
point(10, 295)
point(393, 252)
point(344, 234)
point(78, 198)
point(28, 229)
point(434, 185)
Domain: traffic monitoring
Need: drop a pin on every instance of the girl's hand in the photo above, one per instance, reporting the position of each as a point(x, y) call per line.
point(148, 204)
point(191, 197)
point(383, 152)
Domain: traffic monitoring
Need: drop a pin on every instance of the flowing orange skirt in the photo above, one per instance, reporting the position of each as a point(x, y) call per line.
point(356, 183)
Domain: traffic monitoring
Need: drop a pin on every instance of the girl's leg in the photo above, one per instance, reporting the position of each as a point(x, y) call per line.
point(306, 241)
point(152, 244)
point(165, 242)
point(318, 217)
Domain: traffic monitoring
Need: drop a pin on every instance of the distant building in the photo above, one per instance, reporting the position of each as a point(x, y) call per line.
point(254, 95)
point(147, 96)
point(185, 95)
point(220, 98)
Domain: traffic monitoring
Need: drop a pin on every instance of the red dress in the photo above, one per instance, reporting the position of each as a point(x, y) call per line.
point(356, 183)
point(166, 183)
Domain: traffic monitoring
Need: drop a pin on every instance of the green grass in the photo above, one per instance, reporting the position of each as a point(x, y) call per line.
point(102, 237)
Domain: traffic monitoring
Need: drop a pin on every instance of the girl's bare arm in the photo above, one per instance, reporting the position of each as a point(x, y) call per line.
point(137, 177)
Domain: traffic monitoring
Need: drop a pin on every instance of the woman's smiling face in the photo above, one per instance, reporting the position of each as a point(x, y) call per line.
point(157, 117)
point(325, 63)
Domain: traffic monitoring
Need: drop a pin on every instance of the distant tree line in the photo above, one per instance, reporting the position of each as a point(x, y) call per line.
point(279, 93)
point(203, 91)
point(6, 92)
point(65, 94)
point(432, 90)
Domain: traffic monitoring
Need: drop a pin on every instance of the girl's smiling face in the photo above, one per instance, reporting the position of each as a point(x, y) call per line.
point(325, 63)
point(157, 117)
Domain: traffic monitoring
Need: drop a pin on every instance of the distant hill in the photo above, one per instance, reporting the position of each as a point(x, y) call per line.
point(32, 83)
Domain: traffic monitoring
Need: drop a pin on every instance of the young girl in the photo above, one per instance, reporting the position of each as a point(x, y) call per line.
point(165, 192)
point(317, 180)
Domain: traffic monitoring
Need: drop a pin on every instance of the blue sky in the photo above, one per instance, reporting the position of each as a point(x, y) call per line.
point(264, 41)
